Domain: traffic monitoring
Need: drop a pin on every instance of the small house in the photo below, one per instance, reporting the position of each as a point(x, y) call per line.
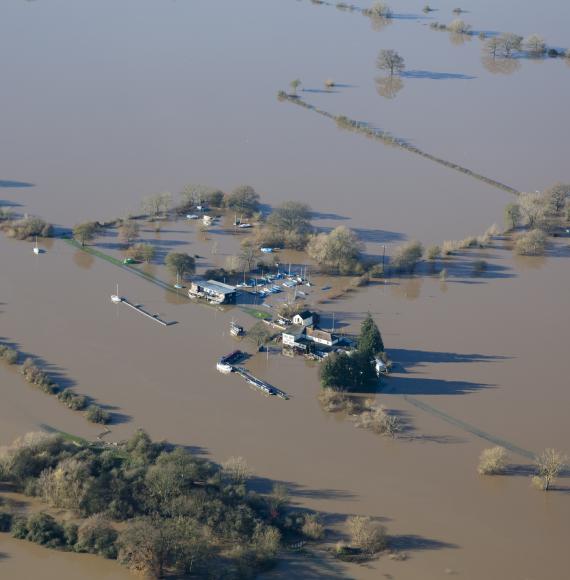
point(292, 335)
point(321, 336)
point(304, 318)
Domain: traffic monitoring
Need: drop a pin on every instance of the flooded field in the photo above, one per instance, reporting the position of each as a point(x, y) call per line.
point(103, 111)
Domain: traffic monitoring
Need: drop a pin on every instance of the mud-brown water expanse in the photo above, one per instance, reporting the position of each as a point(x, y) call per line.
point(162, 94)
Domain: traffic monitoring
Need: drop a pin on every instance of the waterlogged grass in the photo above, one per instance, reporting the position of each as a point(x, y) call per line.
point(256, 313)
point(344, 122)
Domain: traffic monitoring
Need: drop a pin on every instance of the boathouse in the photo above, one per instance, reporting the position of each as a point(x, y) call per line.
point(305, 318)
point(213, 291)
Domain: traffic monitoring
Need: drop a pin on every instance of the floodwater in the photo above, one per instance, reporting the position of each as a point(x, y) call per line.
point(110, 103)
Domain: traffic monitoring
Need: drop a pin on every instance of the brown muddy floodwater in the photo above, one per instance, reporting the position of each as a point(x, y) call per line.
point(106, 103)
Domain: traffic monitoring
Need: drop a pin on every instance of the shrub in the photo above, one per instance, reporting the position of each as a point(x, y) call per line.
point(377, 419)
point(8, 354)
point(366, 535)
point(95, 414)
point(312, 527)
point(433, 252)
point(332, 400)
point(45, 530)
point(531, 243)
point(36, 376)
point(72, 401)
point(70, 534)
point(459, 26)
point(97, 536)
point(19, 528)
point(407, 256)
point(492, 461)
point(28, 228)
point(449, 247)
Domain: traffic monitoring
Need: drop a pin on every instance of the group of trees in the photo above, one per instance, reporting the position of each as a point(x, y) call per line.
point(25, 228)
point(504, 45)
point(539, 213)
point(338, 251)
point(179, 514)
point(243, 200)
point(355, 370)
point(548, 465)
point(36, 376)
point(288, 226)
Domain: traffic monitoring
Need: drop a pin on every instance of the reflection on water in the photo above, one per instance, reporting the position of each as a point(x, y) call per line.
point(523, 263)
point(389, 87)
point(500, 66)
point(459, 39)
point(83, 259)
point(377, 23)
point(409, 288)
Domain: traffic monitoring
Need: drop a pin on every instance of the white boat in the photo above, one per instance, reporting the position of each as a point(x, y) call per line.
point(36, 249)
point(115, 298)
point(243, 226)
point(236, 329)
point(224, 368)
point(266, 250)
point(192, 216)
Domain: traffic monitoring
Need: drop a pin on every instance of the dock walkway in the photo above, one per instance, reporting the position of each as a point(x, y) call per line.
point(142, 311)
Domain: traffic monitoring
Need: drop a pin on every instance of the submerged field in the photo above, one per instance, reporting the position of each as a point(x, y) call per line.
point(165, 94)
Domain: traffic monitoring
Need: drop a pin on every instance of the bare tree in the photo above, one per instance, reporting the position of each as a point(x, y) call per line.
point(379, 10)
point(391, 61)
point(509, 43)
point(366, 535)
point(459, 26)
point(549, 464)
point(492, 461)
point(492, 47)
point(128, 232)
point(535, 45)
point(533, 208)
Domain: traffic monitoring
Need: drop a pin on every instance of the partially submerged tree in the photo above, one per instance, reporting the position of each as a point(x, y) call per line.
point(156, 204)
point(180, 263)
point(379, 10)
point(295, 84)
point(458, 26)
point(556, 197)
point(389, 60)
point(492, 461)
point(243, 200)
point(549, 464)
point(340, 249)
point(512, 215)
point(85, 232)
point(367, 535)
point(535, 45)
point(128, 231)
point(509, 43)
point(407, 256)
point(531, 243)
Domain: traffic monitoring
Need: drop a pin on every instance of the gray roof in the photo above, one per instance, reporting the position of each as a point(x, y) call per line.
point(305, 314)
point(215, 286)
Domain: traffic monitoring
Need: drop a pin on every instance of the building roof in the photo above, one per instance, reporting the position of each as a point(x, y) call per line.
point(305, 314)
point(321, 334)
point(294, 330)
point(215, 286)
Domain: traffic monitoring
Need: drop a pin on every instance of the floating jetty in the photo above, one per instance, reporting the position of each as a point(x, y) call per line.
point(226, 365)
point(120, 300)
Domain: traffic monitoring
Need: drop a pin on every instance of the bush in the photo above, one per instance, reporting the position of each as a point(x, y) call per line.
point(19, 528)
point(95, 414)
point(433, 252)
point(45, 530)
point(8, 354)
point(36, 376)
point(72, 401)
point(27, 228)
point(407, 256)
point(449, 247)
point(492, 461)
point(366, 535)
point(332, 400)
point(97, 536)
point(531, 243)
point(312, 527)
point(378, 420)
